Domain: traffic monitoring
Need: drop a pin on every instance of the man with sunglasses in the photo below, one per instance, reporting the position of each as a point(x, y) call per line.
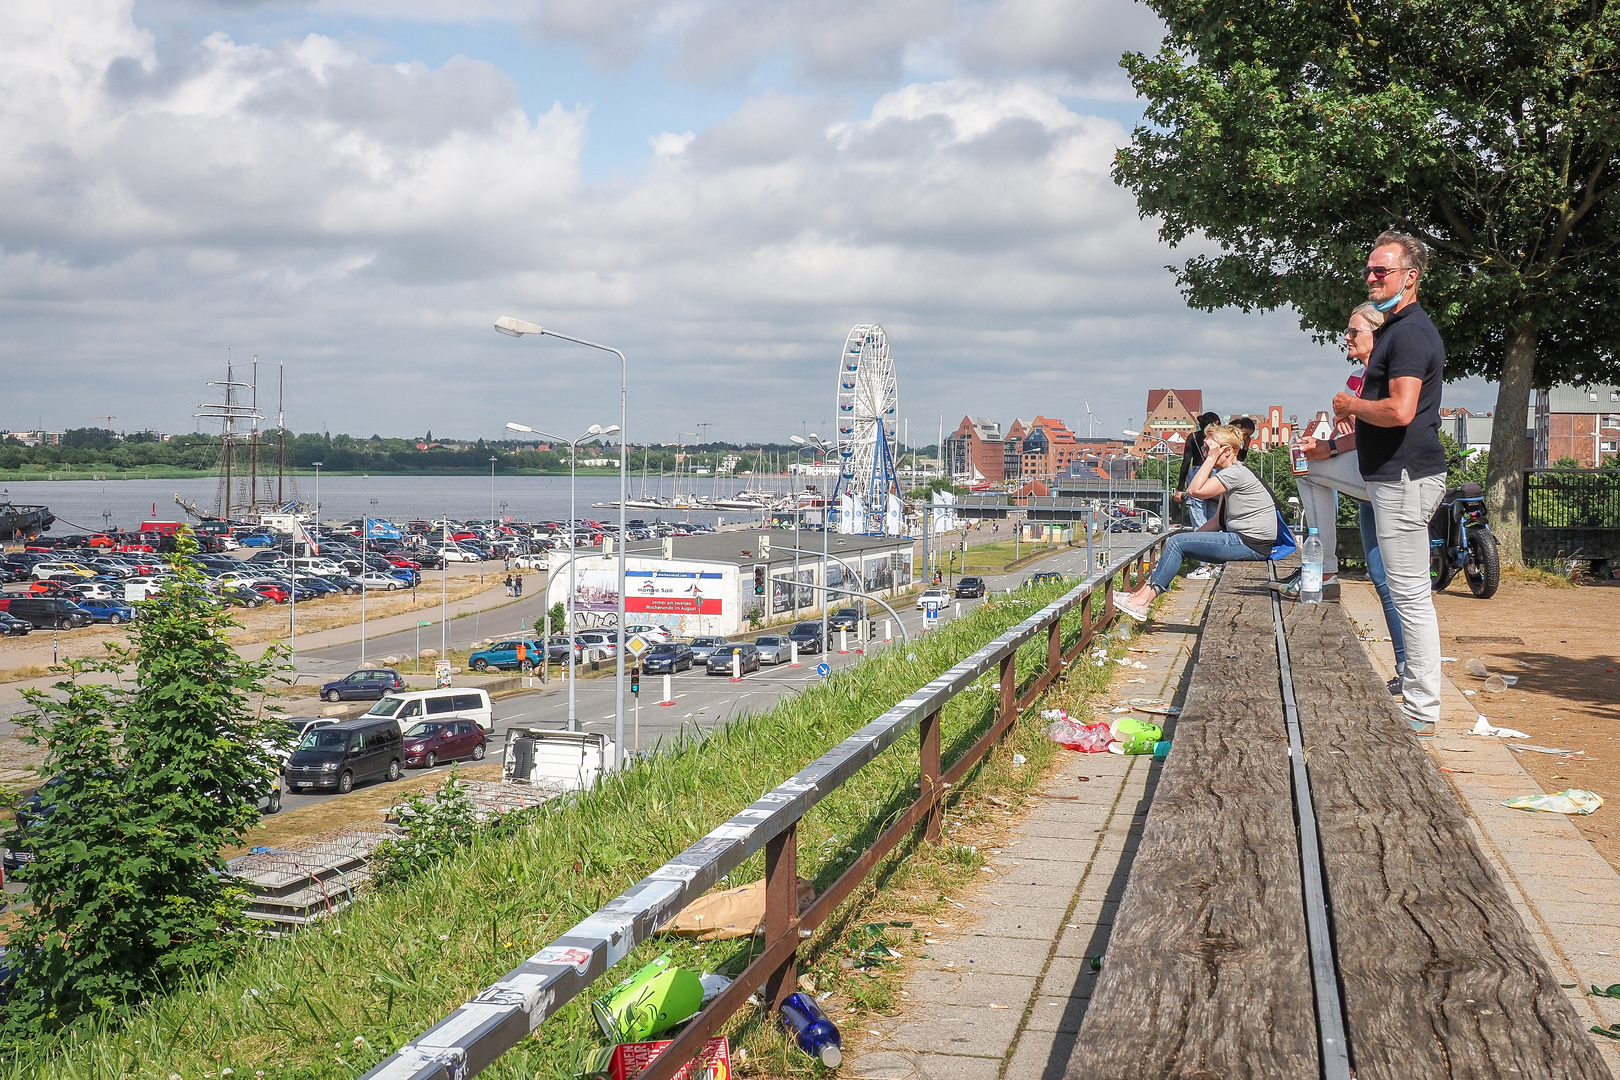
point(1397, 427)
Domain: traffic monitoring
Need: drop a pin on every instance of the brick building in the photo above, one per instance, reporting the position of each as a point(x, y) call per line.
point(1580, 422)
point(1169, 412)
point(974, 451)
point(1049, 448)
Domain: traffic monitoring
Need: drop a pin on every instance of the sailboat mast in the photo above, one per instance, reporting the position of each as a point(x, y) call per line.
point(253, 443)
point(281, 433)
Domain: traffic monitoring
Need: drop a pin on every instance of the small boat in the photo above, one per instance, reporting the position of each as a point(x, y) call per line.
point(21, 522)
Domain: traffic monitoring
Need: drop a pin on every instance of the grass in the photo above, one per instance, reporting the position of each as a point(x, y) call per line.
point(333, 1000)
point(1540, 575)
point(25, 671)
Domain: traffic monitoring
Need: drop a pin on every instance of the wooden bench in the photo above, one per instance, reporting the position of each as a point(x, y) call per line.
point(1207, 973)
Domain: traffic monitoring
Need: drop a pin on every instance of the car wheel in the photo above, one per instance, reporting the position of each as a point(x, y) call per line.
point(346, 783)
point(275, 803)
point(431, 760)
point(114, 620)
point(394, 771)
point(478, 752)
point(480, 664)
point(331, 695)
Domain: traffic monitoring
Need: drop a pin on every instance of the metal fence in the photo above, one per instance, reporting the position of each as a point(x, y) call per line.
point(472, 1037)
point(1571, 499)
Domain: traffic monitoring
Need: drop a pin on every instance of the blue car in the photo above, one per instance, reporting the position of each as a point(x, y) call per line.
point(108, 611)
point(260, 540)
point(504, 654)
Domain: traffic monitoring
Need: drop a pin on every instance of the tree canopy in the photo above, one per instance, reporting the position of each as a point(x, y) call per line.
point(1289, 135)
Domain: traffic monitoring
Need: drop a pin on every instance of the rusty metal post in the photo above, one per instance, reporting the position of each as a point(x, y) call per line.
point(1085, 622)
point(933, 789)
point(1009, 687)
point(1054, 649)
point(782, 911)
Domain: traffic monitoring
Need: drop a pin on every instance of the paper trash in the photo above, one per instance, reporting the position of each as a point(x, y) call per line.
point(1483, 726)
point(1568, 801)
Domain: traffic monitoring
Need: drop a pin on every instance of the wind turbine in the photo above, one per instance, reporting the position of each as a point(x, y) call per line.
point(1091, 423)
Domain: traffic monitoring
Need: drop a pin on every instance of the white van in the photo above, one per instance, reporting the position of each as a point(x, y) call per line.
point(445, 703)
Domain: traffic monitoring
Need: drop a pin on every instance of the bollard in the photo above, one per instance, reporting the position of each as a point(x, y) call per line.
point(959, 609)
point(888, 631)
point(668, 698)
point(736, 667)
point(843, 640)
point(793, 653)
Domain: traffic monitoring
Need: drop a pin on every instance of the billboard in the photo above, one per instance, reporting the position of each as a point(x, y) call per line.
point(685, 598)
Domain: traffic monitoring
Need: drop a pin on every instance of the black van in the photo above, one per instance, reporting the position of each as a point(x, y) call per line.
point(337, 756)
point(46, 612)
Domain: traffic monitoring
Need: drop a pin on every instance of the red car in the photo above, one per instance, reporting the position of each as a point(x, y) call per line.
point(277, 594)
point(433, 741)
point(464, 535)
point(404, 563)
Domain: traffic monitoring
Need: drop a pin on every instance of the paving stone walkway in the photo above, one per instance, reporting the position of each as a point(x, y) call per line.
point(1000, 992)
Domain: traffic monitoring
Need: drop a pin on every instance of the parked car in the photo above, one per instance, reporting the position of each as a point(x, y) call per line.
point(720, 662)
point(704, 647)
point(667, 658)
point(46, 612)
point(363, 685)
point(654, 634)
point(11, 626)
point(557, 649)
point(299, 726)
point(603, 641)
point(849, 618)
point(456, 554)
point(338, 756)
point(111, 612)
point(504, 654)
point(440, 703)
point(433, 741)
point(376, 579)
point(46, 570)
point(274, 591)
point(531, 562)
point(934, 594)
point(807, 635)
point(243, 597)
point(969, 588)
point(774, 649)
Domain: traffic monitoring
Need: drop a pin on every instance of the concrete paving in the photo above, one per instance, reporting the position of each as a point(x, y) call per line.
point(1566, 893)
point(1000, 993)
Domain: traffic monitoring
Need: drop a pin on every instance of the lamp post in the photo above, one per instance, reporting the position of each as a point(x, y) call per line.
point(573, 552)
point(517, 328)
point(492, 460)
point(317, 465)
point(365, 568)
point(815, 441)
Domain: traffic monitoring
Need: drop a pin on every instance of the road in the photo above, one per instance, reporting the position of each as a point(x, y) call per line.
point(702, 702)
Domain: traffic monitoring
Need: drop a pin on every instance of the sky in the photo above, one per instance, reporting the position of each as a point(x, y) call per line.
point(353, 190)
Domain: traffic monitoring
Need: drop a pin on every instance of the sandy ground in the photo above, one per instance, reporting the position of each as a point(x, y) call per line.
point(1562, 645)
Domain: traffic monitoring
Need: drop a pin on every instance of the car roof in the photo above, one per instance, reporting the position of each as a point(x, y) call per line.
point(415, 695)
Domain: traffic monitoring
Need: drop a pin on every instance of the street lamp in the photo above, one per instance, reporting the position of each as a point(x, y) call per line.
point(517, 328)
point(573, 551)
point(317, 465)
point(821, 447)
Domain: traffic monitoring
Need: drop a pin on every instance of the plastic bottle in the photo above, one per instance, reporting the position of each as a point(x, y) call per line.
point(815, 1034)
point(1310, 569)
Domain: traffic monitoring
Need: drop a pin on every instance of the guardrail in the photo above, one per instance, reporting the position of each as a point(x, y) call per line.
point(471, 1038)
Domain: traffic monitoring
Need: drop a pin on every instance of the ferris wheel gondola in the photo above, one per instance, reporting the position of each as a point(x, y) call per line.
point(868, 491)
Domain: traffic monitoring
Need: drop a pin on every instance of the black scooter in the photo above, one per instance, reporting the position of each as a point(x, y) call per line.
point(1460, 539)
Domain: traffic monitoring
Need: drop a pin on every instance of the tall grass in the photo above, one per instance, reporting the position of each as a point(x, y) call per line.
point(331, 1001)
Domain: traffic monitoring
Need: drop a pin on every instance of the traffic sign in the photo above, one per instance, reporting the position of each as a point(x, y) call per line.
point(823, 670)
point(637, 645)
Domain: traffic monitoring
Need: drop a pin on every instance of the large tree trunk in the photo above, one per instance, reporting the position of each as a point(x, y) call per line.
point(1504, 482)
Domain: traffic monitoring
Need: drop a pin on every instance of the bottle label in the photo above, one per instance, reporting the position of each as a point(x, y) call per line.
point(1310, 577)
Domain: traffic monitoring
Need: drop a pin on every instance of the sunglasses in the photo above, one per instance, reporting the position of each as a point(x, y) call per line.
point(1381, 272)
point(1354, 333)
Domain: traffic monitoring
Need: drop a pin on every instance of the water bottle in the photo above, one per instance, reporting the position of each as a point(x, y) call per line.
point(1310, 569)
point(815, 1034)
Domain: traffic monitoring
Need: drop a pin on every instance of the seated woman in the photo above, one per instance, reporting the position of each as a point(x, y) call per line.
point(1249, 519)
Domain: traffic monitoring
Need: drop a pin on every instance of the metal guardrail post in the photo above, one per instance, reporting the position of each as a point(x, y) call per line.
point(1009, 690)
point(782, 912)
point(933, 790)
point(1054, 648)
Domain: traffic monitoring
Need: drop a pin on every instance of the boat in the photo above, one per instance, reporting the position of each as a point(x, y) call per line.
point(19, 522)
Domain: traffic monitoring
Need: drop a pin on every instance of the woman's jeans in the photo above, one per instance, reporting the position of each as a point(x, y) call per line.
point(1375, 570)
point(1197, 511)
point(1214, 547)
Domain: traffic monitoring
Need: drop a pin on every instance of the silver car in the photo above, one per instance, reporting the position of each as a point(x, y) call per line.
point(703, 647)
point(773, 649)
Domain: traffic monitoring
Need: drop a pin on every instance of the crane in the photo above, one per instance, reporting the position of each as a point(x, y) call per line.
point(105, 417)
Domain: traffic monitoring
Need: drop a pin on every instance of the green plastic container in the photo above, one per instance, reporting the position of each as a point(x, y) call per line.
point(1135, 736)
point(651, 1001)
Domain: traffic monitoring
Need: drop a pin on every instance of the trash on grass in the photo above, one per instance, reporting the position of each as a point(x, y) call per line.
point(816, 1035)
point(1483, 726)
point(627, 1059)
point(1133, 736)
point(651, 1001)
point(1568, 801)
point(1082, 738)
point(732, 913)
point(713, 983)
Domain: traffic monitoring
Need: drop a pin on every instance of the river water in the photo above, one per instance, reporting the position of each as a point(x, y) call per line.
point(91, 505)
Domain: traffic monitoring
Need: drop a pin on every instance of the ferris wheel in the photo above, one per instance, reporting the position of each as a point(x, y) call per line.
point(868, 402)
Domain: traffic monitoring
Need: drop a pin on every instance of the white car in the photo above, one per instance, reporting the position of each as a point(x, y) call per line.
point(455, 554)
point(47, 571)
point(376, 579)
point(531, 562)
point(651, 633)
point(934, 594)
point(96, 590)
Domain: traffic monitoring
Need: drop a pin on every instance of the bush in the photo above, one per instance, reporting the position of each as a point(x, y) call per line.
point(436, 826)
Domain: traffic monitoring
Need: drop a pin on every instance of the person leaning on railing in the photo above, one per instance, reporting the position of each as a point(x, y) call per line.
point(1247, 517)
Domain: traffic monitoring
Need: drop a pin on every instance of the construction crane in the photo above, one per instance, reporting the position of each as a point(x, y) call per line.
point(105, 417)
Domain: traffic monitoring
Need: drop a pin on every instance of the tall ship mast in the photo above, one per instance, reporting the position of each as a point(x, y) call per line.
point(244, 489)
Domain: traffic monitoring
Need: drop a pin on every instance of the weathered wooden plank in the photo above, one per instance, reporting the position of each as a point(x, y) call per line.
point(1440, 977)
point(1206, 973)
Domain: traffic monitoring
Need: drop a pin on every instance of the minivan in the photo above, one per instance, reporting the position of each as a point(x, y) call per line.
point(443, 703)
point(46, 612)
point(338, 756)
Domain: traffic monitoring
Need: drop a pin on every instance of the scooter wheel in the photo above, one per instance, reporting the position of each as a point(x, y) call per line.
point(1484, 569)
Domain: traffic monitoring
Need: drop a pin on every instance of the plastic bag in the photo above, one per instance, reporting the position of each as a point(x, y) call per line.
point(1568, 801)
point(1083, 738)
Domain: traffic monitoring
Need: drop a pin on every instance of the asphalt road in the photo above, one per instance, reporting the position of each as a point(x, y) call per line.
point(701, 702)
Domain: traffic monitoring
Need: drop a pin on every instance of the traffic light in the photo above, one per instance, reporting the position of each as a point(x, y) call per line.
point(635, 680)
point(759, 581)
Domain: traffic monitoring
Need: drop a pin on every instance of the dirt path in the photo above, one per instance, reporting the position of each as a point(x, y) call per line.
point(1562, 645)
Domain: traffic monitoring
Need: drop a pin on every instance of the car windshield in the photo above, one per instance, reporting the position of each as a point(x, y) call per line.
point(422, 731)
point(388, 706)
point(807, 628)
point(726, 650)
point(770, 641)
point(656, 649)
point(324, 739)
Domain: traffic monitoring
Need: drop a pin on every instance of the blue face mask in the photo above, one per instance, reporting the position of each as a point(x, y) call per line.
point(1389, 305)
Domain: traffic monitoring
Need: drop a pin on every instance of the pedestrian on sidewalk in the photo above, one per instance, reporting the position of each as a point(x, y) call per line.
point(508, 584)
point(1192, 456)
point(1334, 470)
point(518, 585)
point(1397, 429)
point(1248, 514)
